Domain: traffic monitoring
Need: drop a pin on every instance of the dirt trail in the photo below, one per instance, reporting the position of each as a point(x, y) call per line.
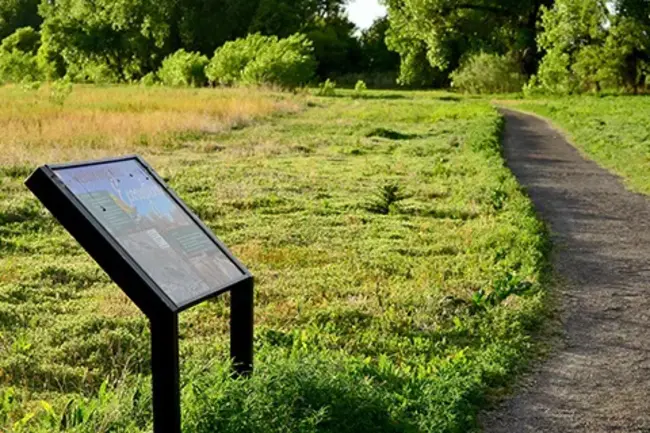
point(598, 380)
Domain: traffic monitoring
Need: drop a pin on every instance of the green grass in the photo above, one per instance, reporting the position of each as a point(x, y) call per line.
point(398, 268)
point(614, 131)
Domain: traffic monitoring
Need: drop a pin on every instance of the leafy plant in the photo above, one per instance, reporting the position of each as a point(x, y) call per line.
point(261, 60)
point(488, 73)
point(328, 88)
point(60, 90)
point(183, 69)
point(360, 89)
point(388, 195)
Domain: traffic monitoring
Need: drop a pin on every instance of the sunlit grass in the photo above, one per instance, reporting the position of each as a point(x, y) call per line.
point(95, 122)
point(371, 226)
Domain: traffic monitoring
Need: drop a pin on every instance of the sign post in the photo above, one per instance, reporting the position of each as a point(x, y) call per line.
point(158, 252)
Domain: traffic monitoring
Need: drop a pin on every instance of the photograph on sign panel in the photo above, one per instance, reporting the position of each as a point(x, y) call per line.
point(146, 221)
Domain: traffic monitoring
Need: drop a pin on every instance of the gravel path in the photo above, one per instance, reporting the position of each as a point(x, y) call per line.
point(598, 380)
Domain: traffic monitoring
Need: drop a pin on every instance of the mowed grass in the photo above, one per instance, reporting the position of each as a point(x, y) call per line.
point(614, 131)
point(398, 266)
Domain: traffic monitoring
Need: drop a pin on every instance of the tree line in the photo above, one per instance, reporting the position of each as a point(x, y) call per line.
point(556, 46)
point(124, 40)
point(549, 46)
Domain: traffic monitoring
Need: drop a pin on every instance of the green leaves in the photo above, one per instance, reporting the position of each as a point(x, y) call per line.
point(259, 59)
point(184, 69)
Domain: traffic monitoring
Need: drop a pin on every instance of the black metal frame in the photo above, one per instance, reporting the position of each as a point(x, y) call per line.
point(142, 289)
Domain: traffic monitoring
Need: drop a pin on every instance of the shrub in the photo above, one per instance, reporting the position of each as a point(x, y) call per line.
point(285, 62)
point(25, 39)
point(230, 60)
point(488, 73)
point(17, 56)
point(259, 60)
point(328, 88)
point(149, 80)
point(360, 89)
point(183, 69)
point(18, 66)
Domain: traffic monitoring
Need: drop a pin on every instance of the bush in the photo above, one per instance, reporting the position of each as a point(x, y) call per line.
point(183, 69)
point(259, 60)
point(230, 60)
point(18, 66)
point(328, 88)
point(25, 39)
point(149, 80)
point(17, 56)
point(488, 73)
point(360, 89)
point(284, 62)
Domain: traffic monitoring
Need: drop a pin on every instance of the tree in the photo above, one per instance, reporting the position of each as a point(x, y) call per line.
point(628, 44)
point(589, 47)
point(376, 55)
point(105, 39)
point(15, 14)
point(447, 31)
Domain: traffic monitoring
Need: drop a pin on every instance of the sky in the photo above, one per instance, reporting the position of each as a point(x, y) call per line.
point(364, 12)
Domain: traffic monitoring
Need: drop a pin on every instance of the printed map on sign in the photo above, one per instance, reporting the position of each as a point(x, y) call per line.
point(181, 259)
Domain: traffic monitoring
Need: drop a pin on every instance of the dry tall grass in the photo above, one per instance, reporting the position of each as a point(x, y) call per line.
point(93, 122)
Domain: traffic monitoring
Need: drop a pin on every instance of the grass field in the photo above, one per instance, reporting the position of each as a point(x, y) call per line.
point(614, 131)
point(398, 263)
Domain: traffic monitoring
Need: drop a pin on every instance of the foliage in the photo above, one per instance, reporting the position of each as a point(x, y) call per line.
point(588, 48)
point(376, 55)
point(364, 321)
point(611, 130)
point(259, 59)
point(17, 56)
point(104, 40)
point(230, 60)
point(16, 14)
point(183, 69)
point(335, 46)
point(60, 90)
point(327, 88)
point(360, 89)
point(25, 39)
point(150, 79)
point(286, 63)
point(440, 33)
point(488, 73)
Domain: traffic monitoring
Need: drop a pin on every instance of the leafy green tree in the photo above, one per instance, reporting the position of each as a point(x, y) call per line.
point(25, 39)
point(18, 56)
point(337, 49)
point(376, 55)
point(15, 14)
point(104, 39)
point(594, 44)
point(628, 43)
point(204, 25)
point(446, 31)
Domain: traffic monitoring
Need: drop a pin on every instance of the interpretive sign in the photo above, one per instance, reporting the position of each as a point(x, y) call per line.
point(162, 256)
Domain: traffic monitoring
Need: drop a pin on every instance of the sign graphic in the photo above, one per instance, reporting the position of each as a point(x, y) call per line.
point(153, 229)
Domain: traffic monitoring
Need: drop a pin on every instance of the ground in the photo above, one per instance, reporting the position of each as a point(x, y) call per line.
point(597, 380)
point(399, 265)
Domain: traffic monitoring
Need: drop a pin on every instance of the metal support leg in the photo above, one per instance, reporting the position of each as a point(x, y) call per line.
point(166, 374)
point(241, 329)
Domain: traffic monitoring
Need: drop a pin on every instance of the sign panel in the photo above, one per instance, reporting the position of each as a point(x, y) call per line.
point(153, 229)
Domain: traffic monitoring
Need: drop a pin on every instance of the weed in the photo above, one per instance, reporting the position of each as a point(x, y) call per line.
point(328, 88)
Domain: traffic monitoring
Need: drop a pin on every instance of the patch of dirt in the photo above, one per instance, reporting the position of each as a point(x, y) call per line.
point(598, 379)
